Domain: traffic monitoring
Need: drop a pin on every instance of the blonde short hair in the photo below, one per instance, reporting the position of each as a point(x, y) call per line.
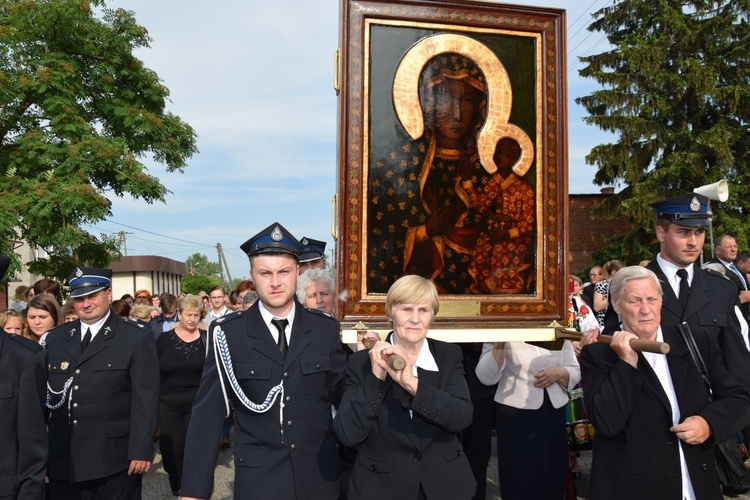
point(141, 311)
point(411, 289)
point(191, 302)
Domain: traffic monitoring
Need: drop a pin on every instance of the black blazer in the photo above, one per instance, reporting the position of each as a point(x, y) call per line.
point(304, 462)
point(636, 456)
point(710, 309)
point(115, 391)
point(23, 434)
point(740, 283)
point(397, 452)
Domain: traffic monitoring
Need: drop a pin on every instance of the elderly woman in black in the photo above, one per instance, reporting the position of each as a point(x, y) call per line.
point(404, 423)
point(182, 352)
point(655, 422)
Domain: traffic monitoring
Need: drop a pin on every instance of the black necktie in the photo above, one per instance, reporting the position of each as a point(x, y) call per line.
point(684, 287)
point(280, 325)
point(86, 340)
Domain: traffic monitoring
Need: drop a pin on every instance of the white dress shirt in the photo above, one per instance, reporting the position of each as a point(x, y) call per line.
point(94, 327)
point(660, 366)
point(267, 317)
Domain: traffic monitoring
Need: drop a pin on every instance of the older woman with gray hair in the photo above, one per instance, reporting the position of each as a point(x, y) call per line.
point(404, 422)
point(315, 290)
point(655, 421)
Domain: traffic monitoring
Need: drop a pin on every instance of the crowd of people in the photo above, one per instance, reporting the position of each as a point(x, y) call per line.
point(96, 384)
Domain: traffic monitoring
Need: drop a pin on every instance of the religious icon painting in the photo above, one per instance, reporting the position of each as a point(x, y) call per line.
point(452, 158)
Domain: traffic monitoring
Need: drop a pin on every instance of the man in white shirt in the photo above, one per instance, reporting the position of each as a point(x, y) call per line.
point(218, 307)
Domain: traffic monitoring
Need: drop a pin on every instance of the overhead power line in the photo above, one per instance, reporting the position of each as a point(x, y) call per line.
point(160, 235)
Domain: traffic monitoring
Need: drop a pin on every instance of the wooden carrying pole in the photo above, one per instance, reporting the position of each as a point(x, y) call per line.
point(395, 361)
point(635, 344)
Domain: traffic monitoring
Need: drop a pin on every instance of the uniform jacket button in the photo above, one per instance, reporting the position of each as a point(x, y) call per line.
point(373, 468)
point(288, 399)
point(417, 456)
point(294, 446)
point(704, 467)
point(289, 423)
point(286, 374)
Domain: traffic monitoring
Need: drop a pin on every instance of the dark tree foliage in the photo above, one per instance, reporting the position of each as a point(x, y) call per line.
point(199, 264)
point(78, 115)
point(194, 283)
point(676, 95)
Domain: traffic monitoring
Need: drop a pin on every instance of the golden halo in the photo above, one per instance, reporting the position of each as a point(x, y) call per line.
point(499, 98)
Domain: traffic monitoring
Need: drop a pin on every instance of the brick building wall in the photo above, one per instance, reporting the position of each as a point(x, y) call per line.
point(584, 236)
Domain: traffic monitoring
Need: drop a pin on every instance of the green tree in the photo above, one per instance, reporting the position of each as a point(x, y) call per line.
point(194, 283)
point(200, 265)
point(676, 95)
point(78, 115)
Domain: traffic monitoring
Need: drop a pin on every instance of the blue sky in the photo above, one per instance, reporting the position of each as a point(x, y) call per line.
point(255, 80)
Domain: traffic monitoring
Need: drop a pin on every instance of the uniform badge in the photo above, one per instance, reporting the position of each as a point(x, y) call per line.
point(79, 272)
point(64, 365)
point(276, 234)
point(304, 241)
point(695, 205)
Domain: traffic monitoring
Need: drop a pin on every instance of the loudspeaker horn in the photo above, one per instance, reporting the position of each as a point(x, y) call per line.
point(717, 191)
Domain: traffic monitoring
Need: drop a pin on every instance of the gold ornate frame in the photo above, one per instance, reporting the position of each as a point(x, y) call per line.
point(475, 29)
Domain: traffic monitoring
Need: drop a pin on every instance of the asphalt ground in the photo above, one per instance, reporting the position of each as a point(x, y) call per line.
point(156, 482)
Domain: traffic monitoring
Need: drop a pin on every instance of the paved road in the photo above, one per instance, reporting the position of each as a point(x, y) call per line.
point(156, 483)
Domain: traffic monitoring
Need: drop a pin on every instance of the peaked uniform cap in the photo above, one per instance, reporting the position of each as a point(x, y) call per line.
point(273, 239)
point(688, 210)
point(4, 265)
point(87, 280)
point(313, 249)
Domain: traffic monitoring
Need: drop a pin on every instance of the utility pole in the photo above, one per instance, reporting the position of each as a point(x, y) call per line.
point(222, 266)
point(123, 243)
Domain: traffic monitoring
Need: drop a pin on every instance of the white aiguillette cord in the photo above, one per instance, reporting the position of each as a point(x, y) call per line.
point(224, 360)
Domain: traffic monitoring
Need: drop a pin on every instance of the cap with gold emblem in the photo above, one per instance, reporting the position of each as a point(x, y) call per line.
point(87, 280)
point(689, 210)
point(313, 249)
point(273, 239)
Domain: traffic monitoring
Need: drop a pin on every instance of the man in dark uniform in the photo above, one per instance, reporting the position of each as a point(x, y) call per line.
point(281, 367)
point(312, 255)
point(23, 434)
point(104, 396)
point(710, 303)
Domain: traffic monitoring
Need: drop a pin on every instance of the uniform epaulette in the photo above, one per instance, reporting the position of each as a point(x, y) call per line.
point(228, 317)
point(27, 343)
point(319, 313)
point(138, 325)
point(717, 274)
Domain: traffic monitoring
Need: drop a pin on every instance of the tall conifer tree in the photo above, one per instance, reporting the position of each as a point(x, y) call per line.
point(676, 95)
